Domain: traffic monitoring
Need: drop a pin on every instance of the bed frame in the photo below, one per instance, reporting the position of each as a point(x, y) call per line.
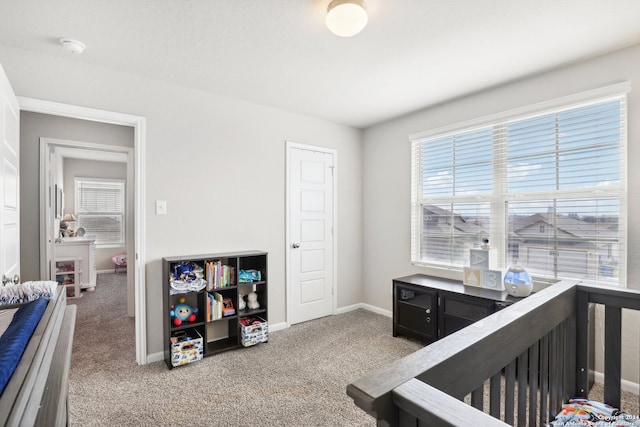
point(515, 367)
point(36, 394)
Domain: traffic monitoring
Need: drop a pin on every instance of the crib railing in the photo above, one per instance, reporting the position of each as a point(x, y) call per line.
point(614, 300)
point(516, 366)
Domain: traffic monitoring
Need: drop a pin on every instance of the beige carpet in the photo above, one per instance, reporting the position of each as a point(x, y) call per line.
point(298, 378)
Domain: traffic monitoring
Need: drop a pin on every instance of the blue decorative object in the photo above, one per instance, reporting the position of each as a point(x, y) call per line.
point(183, 312)
point(247, 276)
point(184, 271)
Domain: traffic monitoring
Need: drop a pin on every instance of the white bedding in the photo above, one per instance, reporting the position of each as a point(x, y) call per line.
point(27, 291)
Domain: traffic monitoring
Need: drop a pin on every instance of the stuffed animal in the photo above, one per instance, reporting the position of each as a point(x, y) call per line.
point(183, 312)
point(241, 303)
point(252, 301)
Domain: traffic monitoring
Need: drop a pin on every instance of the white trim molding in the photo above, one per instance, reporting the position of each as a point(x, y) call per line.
point(137, 246)
point(601, 93)
point(364, 306)
point(625, 385)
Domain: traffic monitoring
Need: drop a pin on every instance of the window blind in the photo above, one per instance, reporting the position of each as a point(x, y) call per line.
point(548, 189)
point(100, 209)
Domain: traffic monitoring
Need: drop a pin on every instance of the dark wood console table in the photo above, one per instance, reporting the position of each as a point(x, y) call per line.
point(428, 308)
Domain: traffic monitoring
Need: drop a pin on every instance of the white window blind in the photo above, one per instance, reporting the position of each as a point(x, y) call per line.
point(547, 188)
point(100, 210)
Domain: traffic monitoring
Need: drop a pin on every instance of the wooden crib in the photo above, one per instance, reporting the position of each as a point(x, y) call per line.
point(515, 367)
point(36, 394)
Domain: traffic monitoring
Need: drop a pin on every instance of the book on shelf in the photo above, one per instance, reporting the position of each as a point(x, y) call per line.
point(215, 306)
point(219, 275)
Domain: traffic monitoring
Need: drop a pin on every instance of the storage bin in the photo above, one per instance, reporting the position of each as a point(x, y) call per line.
point(186, 347)
point(253, 330)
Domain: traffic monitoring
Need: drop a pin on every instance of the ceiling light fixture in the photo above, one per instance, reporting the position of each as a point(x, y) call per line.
point(73, 45)
point(346, 18)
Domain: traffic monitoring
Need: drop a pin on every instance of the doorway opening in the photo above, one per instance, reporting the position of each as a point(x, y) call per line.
point(136, 251)
point(108, 234)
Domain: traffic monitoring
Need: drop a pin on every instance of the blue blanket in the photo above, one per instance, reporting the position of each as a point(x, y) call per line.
point(15, 339)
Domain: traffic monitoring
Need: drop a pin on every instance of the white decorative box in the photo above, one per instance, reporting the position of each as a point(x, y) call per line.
point(493, 279)
point(472, 276)
point(483, 258)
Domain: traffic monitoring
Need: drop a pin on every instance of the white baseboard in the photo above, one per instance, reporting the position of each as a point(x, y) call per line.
point(155, 357)
point(110, 271)
point(624, 384)
point(364, 306)
point(278, 326)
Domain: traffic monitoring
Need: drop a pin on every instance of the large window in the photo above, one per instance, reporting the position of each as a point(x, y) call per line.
point(100, 210)
point(546, 187)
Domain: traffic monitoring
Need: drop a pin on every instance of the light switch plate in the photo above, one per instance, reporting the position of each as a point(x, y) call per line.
point(161, 207)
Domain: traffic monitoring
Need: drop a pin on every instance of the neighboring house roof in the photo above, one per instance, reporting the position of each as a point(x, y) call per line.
point(459, 222)
point(571, 226)
point(526, 226)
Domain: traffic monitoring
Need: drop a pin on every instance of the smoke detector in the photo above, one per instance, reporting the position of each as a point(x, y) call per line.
point(72, 45)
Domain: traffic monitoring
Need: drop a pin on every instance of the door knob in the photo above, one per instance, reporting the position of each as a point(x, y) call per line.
point(15, 280)
point(295, 245)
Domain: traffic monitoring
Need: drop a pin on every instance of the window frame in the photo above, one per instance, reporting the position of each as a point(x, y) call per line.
point(499, 195)
point(123, 214)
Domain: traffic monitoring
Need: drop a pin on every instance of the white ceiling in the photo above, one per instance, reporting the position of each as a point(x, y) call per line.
point(412, 54)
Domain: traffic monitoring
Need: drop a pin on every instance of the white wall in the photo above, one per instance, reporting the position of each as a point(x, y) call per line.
point(218, 162)
point(386, 165)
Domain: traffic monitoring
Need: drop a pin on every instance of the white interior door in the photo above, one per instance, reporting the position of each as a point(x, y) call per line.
point(9, 181)
point(310, 230)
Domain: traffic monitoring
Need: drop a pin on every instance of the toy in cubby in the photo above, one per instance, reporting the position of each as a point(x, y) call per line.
point(183, 312)
point(252, 301)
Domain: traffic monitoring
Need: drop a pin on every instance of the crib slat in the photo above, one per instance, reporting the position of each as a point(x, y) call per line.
point(553, 371)
point(544, 380)
point(509, 392)
point(569, 361)
point(419, 400)
point(562, 338)
point(562, 385)
point(533, 384)
point(477, 398)
point(582, 345)
point(612, 356)
point(495, 395)
point(406, 419)
point(523, 364)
